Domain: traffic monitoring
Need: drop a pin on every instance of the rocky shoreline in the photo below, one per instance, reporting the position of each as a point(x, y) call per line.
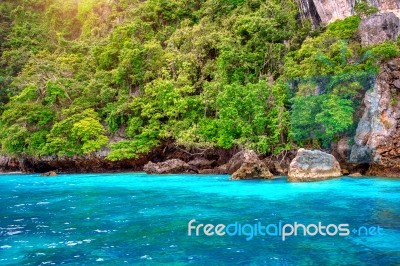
point(374, 150)
point(299, 165)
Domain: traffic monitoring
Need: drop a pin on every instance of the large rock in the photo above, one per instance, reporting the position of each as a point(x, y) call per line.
point(379, 28)
point(327, 11)
point(377, 139)
point(386, 5)
point(313, 165)
point(173, 166)
point(247, 165)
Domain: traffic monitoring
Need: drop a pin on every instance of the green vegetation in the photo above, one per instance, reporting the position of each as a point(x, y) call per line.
point(363, 9)
point(80, 76)
point(328, 75)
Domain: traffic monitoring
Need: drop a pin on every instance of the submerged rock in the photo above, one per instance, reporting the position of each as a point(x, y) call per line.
point(247, 165)
point(51, 173)
point(313, 165)
point(356, 175)
point(173, 166)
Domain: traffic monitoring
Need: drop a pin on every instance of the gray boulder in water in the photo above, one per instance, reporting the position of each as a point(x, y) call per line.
point(313, 165)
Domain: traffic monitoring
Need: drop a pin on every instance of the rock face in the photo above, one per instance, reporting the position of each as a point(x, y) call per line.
point(97, 162)
point(341, 149)
point(220, 170)
point(331, 10)
point(201, 163)
point(247, 165)
point(327, 11)
point(8, 164)
point(377, 139)
point(313, 165)
point(94, 163)
point(309, 10)
point(279, 164)
point(173, 166)
point(379, 28)
point(386, 5)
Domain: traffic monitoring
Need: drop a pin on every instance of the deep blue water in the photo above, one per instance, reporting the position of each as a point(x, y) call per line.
point(134, 218)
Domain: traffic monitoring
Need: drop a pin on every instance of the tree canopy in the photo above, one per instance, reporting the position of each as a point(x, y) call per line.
point(80, 76)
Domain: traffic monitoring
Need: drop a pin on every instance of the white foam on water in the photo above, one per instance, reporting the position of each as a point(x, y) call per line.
point(100, 259)
point(13, 233)
point(71, 243)
point(47, 262)
point(14, 226)
point(5, 246)
point(42, 203)
point(101, 231)
point(52, 245)
point(146, 257)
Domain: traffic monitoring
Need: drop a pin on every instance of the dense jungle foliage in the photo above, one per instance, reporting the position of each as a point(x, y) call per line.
point(78, 76)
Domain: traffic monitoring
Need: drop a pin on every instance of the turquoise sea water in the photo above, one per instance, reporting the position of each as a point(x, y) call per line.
point(134, 218)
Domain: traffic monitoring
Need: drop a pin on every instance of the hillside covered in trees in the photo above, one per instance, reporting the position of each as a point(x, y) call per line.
point(79, 76)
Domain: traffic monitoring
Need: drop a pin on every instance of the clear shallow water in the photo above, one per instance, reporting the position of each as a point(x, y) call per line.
point(134, 218)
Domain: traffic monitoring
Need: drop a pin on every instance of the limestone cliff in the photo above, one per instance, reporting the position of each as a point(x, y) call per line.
point(377, 140)
point(327, 11)
point(379, 28)
point(386, 5)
